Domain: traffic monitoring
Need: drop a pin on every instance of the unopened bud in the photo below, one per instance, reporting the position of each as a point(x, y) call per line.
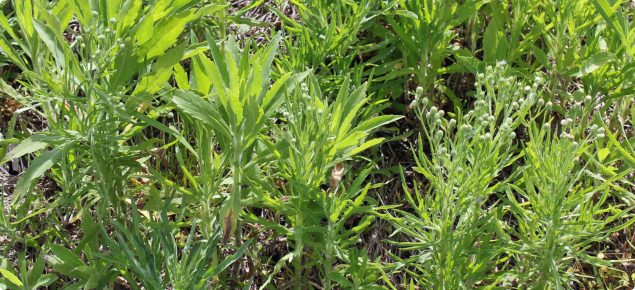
point(419, 91)
point(527, 89)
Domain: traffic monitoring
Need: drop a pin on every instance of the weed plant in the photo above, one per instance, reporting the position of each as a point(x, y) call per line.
point(329, 144)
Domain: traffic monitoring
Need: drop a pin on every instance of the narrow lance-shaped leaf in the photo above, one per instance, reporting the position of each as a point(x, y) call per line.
point(41, 164)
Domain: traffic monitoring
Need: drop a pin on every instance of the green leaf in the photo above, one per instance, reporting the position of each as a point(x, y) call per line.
point(541, 56)
point(11, 277)
point(407, 13)
point(28, 145)
point(236, 107)
point(340, 279)
point(164, 35)
point(45, 280)
point(180, 76)
point(143, 31)
point(37, 168)
point(66, 256)
point(249, 21)
point(376, 122)
point(8, 285)
point(603, 153)
point(366, 145)
point(213, 272)
point(7, 49)
point(52, 42)
point(162, 71)
point(126, 65)
point(596, 61)
point(606, 11)
point(201, 110)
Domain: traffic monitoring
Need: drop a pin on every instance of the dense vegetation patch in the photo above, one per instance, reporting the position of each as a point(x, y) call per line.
point(332, 144)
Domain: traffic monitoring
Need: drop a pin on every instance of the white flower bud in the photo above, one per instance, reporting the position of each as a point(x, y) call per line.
point(419, 91)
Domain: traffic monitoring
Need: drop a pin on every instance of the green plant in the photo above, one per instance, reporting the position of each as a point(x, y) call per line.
point(318, 137)
point(425, 35)
point(32, 278)
point(241, 102)
point(156, 260)
point(559, 225)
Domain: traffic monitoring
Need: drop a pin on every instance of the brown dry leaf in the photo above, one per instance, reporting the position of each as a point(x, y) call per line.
point(336, 175)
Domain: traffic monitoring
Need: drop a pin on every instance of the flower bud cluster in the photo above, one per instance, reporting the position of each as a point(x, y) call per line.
point(598, 132)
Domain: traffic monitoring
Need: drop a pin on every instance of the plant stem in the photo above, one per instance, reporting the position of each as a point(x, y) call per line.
point(298, 248)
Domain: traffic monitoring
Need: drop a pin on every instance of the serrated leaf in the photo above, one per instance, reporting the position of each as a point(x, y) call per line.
point(164, 35)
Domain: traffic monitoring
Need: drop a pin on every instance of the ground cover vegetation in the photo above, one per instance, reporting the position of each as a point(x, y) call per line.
point(330, 144)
